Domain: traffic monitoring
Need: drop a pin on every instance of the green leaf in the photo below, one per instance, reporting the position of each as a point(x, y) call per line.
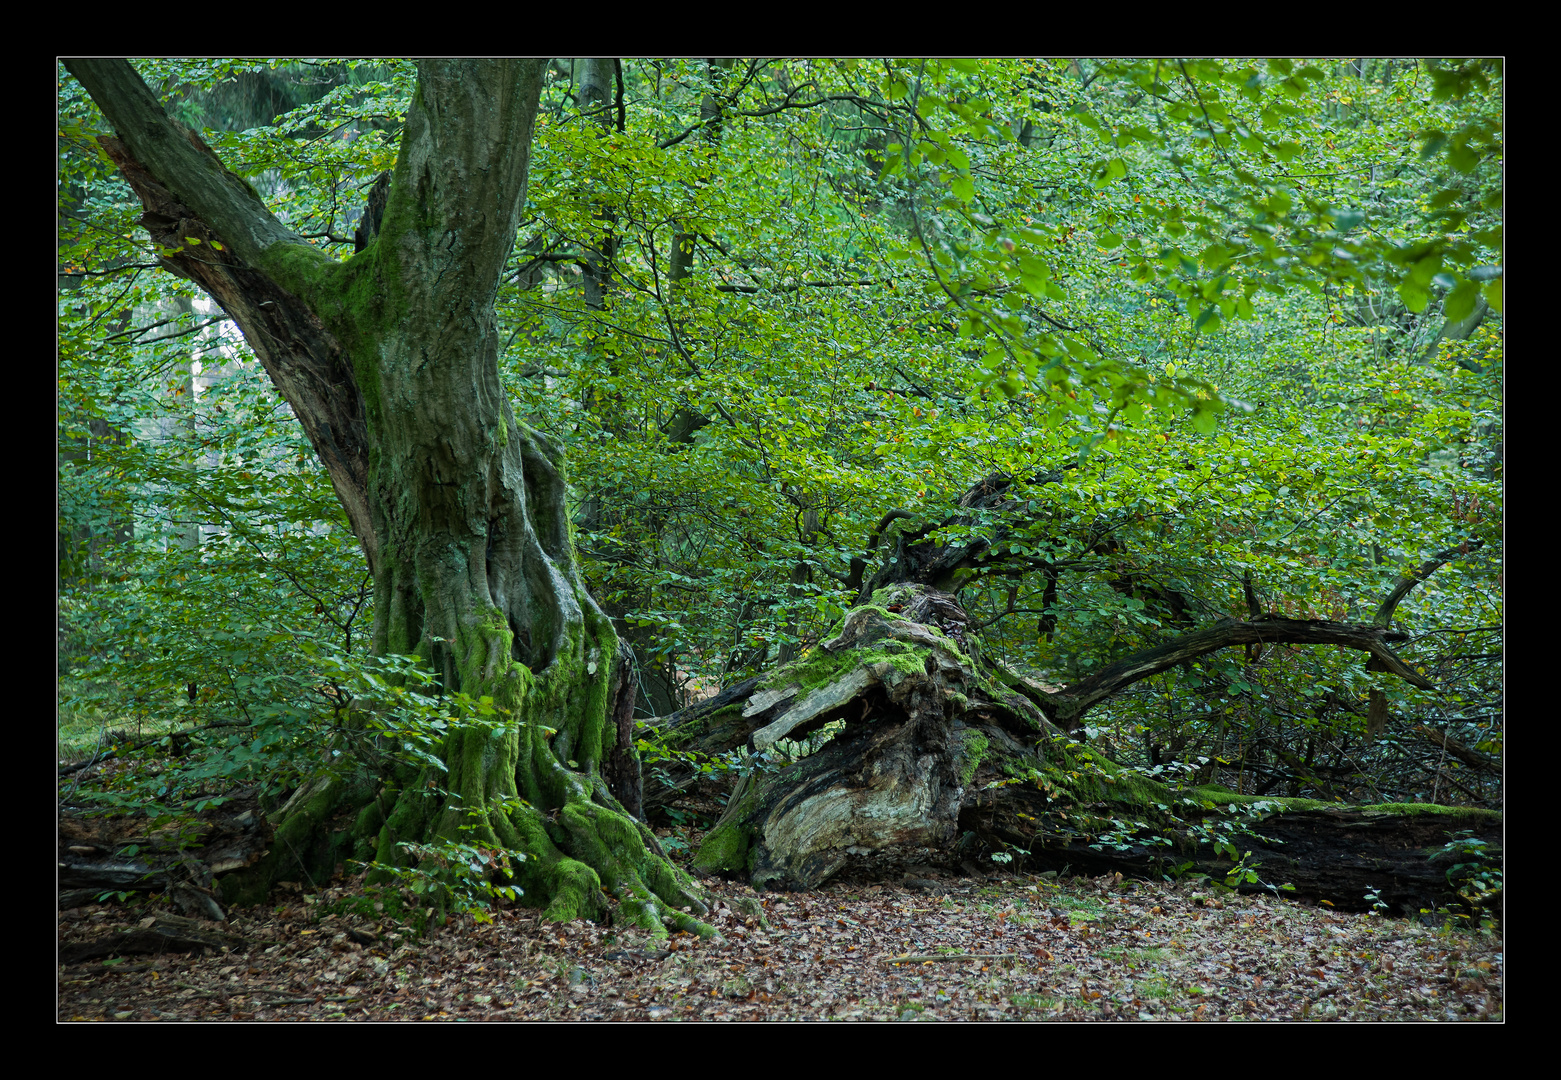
point(1493, 295)
point(1205, 418)
point(1347, 219)
point(1460, 302)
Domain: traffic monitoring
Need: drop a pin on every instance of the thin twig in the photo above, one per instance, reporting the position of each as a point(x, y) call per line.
point(939, 957)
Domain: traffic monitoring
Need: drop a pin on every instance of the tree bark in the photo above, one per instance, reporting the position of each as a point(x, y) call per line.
point(390, 362)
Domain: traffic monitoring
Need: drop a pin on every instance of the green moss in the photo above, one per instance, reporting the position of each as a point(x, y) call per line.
point(1431, 808)
point(303, 270)
point(1218, 796)
point(366, 830)
point(601, 645)
point(813, 669)
point(725, 849)
point(678, 738)
point(307, 842)
point(971, 748)
point(891, 594)
point(485, 663)
point(728, 848)
point(820, 668)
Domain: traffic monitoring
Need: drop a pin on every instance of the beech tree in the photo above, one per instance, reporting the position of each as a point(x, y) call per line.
point(389, 361)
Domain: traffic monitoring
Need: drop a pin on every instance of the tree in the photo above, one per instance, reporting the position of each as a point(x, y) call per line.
point(390, 363)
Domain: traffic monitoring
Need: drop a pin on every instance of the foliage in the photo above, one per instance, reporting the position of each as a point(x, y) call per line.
point(455, 877)
point(1213, 318)
point(1478, 875)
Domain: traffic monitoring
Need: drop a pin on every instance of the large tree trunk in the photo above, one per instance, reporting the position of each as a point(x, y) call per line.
point(941, 757)
point(390, 362)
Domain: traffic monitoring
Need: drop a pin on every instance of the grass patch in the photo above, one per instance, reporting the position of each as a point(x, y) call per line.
point(80, 728)
point(1134, 956)
point(1078, 904)
point(1156, 990)
point(1035, 1002)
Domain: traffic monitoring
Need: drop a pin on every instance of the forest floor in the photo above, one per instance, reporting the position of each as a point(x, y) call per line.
point(1016, 947)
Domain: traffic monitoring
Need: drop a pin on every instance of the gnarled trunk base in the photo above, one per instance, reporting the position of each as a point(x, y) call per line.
point(904, 683)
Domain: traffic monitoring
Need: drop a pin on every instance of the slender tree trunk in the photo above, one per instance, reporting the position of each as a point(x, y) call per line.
point(709, 140)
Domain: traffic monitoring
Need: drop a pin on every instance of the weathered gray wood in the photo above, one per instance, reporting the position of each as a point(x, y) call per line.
point(764, 699)
point(811, 707)
point(109, 875)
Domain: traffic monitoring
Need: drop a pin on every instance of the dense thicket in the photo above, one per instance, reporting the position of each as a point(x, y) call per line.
point(1225, 338)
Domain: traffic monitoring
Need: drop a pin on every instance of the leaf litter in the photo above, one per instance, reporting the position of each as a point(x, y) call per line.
point(1021, 947)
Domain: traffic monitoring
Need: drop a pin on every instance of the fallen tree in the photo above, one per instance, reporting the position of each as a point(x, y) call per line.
point(940, 756)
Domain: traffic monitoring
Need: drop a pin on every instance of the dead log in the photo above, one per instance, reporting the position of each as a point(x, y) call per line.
point(904, 680)
point(156, 935)
point(705, 730)
point(1352, 858)
point(181, 860)
point(939, 757)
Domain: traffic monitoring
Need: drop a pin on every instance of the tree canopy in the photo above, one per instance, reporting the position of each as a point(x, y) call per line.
point(1224, 337)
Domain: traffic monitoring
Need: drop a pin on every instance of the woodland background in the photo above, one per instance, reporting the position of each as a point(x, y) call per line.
point(1236, 329)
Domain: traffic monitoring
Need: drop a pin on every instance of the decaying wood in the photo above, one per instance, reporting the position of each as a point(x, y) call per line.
point(705, 729)
point(181, 861)
point(886, 789)
point(942, 757)
point(996, 509)
point(1068, 706)
point(1336, 854)
point(1472, 758)
point(156, 934)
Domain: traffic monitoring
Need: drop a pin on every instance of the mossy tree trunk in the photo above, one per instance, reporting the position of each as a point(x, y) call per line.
point(390, 362)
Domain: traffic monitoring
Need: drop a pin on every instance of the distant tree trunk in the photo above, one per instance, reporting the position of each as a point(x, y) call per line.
point(711, 111)
point(390, 362)
point(83, 544)
point(595, 97)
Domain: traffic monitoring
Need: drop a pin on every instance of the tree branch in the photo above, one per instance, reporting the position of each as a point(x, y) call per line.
point(1068, 706)
point(211, 227)
point(177, 158)
point(1408, 581)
